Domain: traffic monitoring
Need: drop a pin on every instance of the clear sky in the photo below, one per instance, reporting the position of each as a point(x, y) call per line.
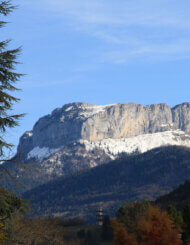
point(100, 52)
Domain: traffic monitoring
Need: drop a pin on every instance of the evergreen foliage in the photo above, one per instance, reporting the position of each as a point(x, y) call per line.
point(93, 237)
point(10, 205)
point(130, 213)
point(8, 79)
point(186, 228)
point(10, 208)
point(107, 230)
point(179, 197)
point(175, 216)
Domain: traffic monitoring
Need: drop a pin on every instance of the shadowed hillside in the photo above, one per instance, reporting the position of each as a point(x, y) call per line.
point(130, 178)
point(179, 198)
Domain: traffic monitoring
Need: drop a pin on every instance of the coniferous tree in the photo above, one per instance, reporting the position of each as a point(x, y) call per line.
point(175, 216)
point(8, 79)
point(186, 228)
point(107, 230)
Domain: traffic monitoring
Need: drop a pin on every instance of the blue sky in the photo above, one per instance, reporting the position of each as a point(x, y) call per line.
point(100, 52)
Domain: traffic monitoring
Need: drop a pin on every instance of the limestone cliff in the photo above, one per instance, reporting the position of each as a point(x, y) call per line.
point(77, 121)
point(79, 136)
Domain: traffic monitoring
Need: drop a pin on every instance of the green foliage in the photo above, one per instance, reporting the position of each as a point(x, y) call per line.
point(175, 216)
point(180, 199)
point(8, 79)
point(10, 204)
point(186, 216)
point(151, 226)
point(10, 208)
point(129, 214)
point(5, 8)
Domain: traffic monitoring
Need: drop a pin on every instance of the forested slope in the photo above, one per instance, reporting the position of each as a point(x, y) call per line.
point(130, 178)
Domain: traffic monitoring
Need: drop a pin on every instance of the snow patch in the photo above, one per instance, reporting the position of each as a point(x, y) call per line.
point(41, 153)
point(92, 110)
point(141, 143)
point(69, 108)
point(93, 164)
point(164, 125)
point(167, 125)
point(29, 133)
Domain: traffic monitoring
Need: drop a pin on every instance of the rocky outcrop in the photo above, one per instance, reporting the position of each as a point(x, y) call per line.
point(77, 121)
point(181, 117)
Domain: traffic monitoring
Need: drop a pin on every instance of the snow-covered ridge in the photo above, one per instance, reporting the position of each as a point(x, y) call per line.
point(141, 143)
point(113, 147)
point(41, 153)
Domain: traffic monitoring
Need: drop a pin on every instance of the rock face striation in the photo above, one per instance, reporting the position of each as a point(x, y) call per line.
point(78, 121)
point(81, 135)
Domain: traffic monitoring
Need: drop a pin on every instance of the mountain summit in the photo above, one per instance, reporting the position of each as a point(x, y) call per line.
point(94, 123)
point(80, 136)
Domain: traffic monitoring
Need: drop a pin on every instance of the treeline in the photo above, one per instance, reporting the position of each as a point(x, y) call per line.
point(136, 223)
point(16, 228)
point(143, 223)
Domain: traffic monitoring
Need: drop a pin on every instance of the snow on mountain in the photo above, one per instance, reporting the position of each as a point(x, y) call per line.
point(87, 110)
point(29, 133)
point(114, 147)
point(41, 153)
point(82, 121)
point(141, 143)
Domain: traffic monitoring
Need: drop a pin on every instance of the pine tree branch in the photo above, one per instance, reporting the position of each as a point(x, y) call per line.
point(6, 7)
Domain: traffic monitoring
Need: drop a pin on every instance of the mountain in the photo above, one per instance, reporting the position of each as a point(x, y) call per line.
point(179, 198)
point(129, 178)
point(80, 136)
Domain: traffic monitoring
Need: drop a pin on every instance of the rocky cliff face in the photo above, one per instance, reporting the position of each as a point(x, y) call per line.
point(181, 117)
point(77, 121)
point(80, 135)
